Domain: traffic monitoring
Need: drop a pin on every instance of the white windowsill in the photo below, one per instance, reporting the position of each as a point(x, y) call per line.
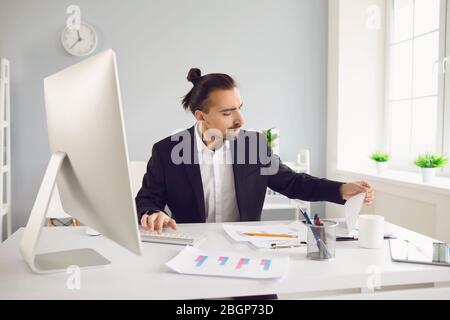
point(440, 184)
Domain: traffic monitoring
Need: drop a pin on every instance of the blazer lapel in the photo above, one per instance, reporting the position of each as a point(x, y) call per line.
point(240, 150)
point(239, 173)
point(193, 173)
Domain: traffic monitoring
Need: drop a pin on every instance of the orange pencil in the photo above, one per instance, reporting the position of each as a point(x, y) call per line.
point(268, 235)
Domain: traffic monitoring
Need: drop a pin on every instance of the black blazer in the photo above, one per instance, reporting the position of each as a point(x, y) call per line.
point(179, 185)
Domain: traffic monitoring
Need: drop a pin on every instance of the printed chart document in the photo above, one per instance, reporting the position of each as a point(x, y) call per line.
point(194, 261)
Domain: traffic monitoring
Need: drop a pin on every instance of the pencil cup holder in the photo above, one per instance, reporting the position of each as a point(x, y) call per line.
point(321, 240)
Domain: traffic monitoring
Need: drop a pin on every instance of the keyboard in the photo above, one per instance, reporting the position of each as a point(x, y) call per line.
point(170, 237)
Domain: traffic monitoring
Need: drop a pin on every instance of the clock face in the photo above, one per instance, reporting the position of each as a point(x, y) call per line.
point(81, 42)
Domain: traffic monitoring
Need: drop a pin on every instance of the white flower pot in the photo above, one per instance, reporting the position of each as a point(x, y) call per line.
point(381, 167)
point(276, 148)
point(428, 174)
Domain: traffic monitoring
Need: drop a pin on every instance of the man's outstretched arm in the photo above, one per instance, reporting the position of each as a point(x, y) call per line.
point(306, 187)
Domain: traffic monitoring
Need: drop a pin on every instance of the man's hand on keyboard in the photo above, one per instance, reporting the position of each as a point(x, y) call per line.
point(157, 221)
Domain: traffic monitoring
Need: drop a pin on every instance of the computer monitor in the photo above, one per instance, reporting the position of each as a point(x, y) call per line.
point(89, 162)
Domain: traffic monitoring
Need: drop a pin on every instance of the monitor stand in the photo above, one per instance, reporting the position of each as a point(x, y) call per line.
point(59, 261)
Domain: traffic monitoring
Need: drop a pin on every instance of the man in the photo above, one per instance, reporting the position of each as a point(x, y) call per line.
point(219, 173)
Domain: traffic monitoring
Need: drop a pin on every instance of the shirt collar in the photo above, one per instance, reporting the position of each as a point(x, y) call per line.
point(198, 139)
point(201, 146)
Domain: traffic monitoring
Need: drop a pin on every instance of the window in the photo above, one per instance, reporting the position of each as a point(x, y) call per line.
point(415, 104)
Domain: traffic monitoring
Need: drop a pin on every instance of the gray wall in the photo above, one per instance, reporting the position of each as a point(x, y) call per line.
point(275, 49)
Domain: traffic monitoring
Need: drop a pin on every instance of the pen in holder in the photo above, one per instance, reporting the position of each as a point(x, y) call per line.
point(321, 240)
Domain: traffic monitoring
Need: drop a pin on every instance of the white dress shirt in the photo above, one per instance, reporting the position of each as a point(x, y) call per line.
point(216, 170)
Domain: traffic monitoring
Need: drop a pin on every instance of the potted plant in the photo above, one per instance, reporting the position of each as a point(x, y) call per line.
point(428, 164)
point(272, 139)
point(381, 159)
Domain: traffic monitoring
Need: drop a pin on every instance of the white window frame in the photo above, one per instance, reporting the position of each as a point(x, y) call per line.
point(445, 123)
point(443, 108)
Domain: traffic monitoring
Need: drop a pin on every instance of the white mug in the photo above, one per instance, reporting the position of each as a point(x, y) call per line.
point(371, 231)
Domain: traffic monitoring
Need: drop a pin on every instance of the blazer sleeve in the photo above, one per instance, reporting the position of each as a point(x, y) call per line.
point(304, 186)
point(152, 196)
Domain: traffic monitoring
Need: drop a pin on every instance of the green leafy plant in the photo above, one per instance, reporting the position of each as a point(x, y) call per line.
point(271, 137)
point(431, 161)
point(380, 156)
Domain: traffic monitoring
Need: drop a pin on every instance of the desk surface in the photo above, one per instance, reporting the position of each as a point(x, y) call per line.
point(147, 277)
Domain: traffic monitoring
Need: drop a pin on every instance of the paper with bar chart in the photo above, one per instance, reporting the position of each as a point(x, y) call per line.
point(192, 260)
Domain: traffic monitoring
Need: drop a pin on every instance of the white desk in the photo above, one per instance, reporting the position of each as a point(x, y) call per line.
point(146, 277)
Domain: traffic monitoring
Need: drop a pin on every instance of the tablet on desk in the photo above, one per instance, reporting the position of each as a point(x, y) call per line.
point(411, 252)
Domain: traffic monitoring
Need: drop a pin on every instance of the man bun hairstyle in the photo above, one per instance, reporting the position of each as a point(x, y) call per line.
point(194, 75)
point(197, 97)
